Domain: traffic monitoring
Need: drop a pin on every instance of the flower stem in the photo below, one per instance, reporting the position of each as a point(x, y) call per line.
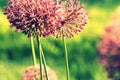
point(66, 58)
point(40, 57)
point(43, 59)
point(44, 62)
point(33, 51)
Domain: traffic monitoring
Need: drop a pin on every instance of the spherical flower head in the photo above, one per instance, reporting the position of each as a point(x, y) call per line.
point(33, 73)
point(109, 46)
point(72, 18)
point(32, 17)
point(109, 49)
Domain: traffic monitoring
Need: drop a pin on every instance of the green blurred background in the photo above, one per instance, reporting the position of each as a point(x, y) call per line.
point(15, 48)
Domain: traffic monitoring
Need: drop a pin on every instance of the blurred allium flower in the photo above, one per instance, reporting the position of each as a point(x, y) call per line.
point(33, 17)
point(109, 49)
point(33, 73)
point(72, 18)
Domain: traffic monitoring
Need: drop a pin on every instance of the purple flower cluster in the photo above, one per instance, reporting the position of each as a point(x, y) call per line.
point(46, 17)
point(109, 48)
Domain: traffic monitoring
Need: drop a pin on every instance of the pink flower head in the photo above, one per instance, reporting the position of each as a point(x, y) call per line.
point(72, 18)
point(33, 73)
point(33, 17)
point(109, 49)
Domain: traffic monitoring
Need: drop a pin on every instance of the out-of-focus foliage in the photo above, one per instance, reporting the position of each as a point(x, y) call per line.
point(15, 48)
point(3, 3)
point(101, 3)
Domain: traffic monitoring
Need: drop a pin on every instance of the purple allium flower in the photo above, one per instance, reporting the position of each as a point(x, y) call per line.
point(33, 73)
point(33, 17)
point(109, 48)
point(46, 17)
point(72, 18)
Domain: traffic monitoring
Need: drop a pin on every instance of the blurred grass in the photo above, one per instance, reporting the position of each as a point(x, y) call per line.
point(15, 49)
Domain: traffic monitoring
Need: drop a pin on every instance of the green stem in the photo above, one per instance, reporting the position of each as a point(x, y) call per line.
point(40, 57)
point(33, 52)
point(66, 58)
point(44, 62)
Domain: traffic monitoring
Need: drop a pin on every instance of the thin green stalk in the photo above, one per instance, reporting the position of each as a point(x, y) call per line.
point(66, 58)
point(33, 51)
point(44, 62)
point(40, 57)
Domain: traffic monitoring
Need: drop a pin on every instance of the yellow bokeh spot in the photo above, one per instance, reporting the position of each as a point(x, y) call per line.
point(4, 24)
